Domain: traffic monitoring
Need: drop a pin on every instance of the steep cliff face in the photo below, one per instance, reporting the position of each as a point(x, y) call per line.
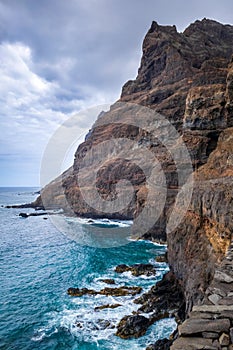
point(201, 241)
point(180, 70)
point(188, 78)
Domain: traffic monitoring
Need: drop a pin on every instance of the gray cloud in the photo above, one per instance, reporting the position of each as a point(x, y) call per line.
point(58, 57)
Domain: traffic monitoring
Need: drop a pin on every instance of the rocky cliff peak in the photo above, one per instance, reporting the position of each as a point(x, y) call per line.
point(173, 63)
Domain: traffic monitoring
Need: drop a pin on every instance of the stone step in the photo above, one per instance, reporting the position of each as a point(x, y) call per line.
point(194, 326)
point(212, 308)
point(223, 277)
point(189, 343)
point(209, 327)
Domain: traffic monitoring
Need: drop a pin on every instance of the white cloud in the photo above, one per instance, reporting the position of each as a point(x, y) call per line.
point(58, 57)
point(31, 107)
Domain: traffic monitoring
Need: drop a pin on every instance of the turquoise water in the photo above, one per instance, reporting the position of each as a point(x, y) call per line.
point(38, 264)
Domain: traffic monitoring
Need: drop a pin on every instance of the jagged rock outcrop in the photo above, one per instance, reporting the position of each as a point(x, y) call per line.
point(188, 78)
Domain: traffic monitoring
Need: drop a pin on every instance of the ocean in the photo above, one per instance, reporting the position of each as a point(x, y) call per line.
point(38, 263)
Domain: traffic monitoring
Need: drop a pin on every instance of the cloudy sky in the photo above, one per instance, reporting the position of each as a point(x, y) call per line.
point(58, 57)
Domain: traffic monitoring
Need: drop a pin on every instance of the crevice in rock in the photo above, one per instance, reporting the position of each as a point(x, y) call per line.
point(213, 141)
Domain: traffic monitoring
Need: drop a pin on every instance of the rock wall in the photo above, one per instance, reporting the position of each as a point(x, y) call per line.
point(203, 238)
point(210, 325)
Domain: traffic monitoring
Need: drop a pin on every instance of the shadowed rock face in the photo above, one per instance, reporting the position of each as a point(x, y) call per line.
point(188, 78)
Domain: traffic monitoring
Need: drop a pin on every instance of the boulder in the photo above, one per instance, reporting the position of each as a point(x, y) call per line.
point(188, 343)
point(132, 326)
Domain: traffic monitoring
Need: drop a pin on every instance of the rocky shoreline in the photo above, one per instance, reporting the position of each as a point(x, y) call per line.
point(164, 300)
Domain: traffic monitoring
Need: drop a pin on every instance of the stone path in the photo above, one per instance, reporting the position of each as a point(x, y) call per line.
point(210, 325)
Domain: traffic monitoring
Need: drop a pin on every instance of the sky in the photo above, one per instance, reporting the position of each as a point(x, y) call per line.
point(60, 57)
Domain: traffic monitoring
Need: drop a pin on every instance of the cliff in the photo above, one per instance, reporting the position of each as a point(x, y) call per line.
point(187, 78)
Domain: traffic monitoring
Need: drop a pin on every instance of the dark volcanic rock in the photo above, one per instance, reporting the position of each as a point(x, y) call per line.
point(121, 291)
point(132, 326)
point(161, 344)
point(23, 215)
point(176, 64)
point(122, 268)
point(77, 292)
point(108, 281)
point(99, 324)
point(162, 258)
point(107, 306)
point(137, 269)
point(26, 215)
point(34, 205)
point(165, 299)
point(118, 291)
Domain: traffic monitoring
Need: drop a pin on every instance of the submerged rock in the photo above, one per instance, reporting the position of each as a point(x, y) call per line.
point(23, 215)
point(163, 300)
point(133, 326)
point(27, 205)
point(122, 268)
point(107, 306)
point(77, 292)
point(161, 258)
point(121, 291)
point(26, 215)
point(108, 281)
point(137, 269)
point(97, 325)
